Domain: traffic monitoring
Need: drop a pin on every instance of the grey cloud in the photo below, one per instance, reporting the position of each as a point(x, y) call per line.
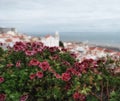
point(70, 14)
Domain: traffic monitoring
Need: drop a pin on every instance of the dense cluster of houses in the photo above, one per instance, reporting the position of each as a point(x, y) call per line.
point(9, 36)
point(85, 51)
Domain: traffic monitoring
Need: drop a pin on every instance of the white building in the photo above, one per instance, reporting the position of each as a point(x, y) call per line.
point(51, 41)
point(11, 33)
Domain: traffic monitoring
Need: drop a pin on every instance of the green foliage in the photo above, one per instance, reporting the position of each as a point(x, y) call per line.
point(91, 98)
point(61, 44)
point(95, 83)
point(115, 96)
point(1, 51)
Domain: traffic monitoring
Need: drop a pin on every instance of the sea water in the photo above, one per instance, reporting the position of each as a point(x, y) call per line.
point(98, 38)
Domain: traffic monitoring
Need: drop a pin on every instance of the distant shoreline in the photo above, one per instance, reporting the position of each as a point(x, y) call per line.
point(111, 47)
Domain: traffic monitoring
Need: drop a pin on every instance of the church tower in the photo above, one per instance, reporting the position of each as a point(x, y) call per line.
point(57, 38)
point(57, 35)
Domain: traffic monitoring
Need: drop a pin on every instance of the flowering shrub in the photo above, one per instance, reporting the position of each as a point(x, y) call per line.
point(34, 72)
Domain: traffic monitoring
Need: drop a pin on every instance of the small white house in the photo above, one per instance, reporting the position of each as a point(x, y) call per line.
point(11, 33)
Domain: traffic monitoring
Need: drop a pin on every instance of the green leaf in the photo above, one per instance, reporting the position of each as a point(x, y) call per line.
point(91, 98)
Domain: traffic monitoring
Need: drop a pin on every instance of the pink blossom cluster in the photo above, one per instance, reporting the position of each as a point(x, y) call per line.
point(31, 49)
point(1, 80)
point(2, 97)
point(79, 97)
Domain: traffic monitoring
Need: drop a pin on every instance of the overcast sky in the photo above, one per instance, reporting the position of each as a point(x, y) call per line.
point(60, 15)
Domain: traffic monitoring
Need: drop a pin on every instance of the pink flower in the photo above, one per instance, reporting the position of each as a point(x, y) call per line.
point(73, 72)
point(34, 62)
point(1, 43)
point(53, 49)
point(24, 98)
point(32, 76)
point(9, 65)
point(40, 44)
point(18, 63)
point(55, 57)
point(78, 96)
point(39, 74)
point(30, 53)
point(66, 76)
point(68, 86)
point(51, 70)
point(73, 55)
point(57, 76)
point(37, 45)
point(82, 97)
point(2, 97)
point(1, 79)
point(64, 50)
point(66, 63)
point(19, 46)
point(44, 65)
point(40, 50)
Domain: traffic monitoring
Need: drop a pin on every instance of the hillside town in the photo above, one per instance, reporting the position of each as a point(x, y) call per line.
point(9, 36)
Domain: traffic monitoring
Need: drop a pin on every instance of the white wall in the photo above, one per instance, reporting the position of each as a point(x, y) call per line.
point(50, 41)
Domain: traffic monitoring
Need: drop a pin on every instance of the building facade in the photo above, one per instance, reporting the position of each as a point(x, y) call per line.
point(5, 30)
point(51, 41)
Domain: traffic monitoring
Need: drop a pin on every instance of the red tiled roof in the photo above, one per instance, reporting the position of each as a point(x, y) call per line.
point(92, 48)
point(100, 49)
point(47, 36)
point(108, 51)
point(8, 40)
point(118, 54)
